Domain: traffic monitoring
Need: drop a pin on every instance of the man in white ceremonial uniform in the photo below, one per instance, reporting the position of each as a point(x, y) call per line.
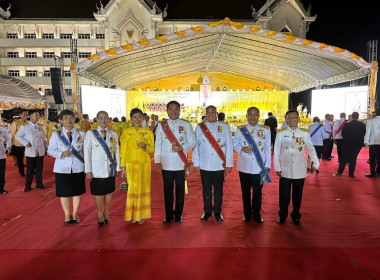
point(252, 142)
point(33, 137)
point(328, 142)
point(213, 157)
point(372, 140)
point(290, 165)
point(174, 139)
point(317, 133)
point(5, 148)
point(102, 164)
point(337, 134)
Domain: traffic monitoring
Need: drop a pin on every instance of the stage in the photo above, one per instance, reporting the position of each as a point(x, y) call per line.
point(338, 239)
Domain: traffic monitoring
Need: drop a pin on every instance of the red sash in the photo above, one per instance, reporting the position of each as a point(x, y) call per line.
point(340, 128)
point(213, 143)
point(169, 133)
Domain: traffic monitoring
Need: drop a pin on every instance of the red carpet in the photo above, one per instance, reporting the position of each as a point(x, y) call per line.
point(339, 237)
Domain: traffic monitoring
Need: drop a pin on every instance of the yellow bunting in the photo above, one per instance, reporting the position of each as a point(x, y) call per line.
point(111, 52)
point(127, 48)
point(272, 33)
point(180, 33)
point(198, 29)
point(255, 29)
point(323, 46)
point(94, 57)
point(162, 39)
point(289, 38)
point(307, 42)
point(144, 43)
point(339, 50)
point(354, 56)
point(72, 67)
point(215, 24)
point(237, 25)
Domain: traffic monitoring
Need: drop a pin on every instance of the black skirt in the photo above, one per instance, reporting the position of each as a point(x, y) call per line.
point(102, 186)
point(68, 185)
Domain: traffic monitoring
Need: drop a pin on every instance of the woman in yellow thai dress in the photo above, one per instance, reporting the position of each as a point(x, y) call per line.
point(137, 143)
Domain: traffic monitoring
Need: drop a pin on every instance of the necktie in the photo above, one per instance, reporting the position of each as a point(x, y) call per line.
point(104, 133)
point(69, 135)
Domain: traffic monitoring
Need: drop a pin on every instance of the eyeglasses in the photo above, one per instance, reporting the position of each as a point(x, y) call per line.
point(65, 118)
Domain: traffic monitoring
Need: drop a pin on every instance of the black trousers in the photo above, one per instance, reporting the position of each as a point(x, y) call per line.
point(294, 186)
point(328, 145)
point(349, 155)
point(209, 179)
point(34, 163)
point(374, 159)
point(339, 148)
point(19, 153)
point(170, 178)
point(2, 173)
point(251, 206)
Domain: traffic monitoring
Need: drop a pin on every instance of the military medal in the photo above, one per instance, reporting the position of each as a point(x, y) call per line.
point(300, 148)
point(220, 129)
point(218, 140)
point(259, 143)
point(180, 128)
point(180, 138)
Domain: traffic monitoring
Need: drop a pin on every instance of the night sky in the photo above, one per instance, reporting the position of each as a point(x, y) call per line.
point(338, 23)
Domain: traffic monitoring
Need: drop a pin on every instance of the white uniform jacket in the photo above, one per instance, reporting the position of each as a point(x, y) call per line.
point(95, 157)
point(328, 130)
point(317, 138)
point(336, 126)
point(5, 138)
point(163, 154)
point(289, 153)
point(204, 155)
point(247, 163)
point(372, 135)
point(56, 148)
point(35, 135)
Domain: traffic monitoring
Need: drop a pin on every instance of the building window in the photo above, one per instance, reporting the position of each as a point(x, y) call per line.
point(30, 36)
point(46, 73)
point(31, 54)
point(12, 35)
point(12, 54)
point(68, 91)
point(14, 73)
point(65, 54)
point(67, 73)
point(48, 36)
point(66, 36)
point(83, 36)
point(31, 73)
point(49, 54)
point(48, 91)
point(100, 36)
point(84, 54)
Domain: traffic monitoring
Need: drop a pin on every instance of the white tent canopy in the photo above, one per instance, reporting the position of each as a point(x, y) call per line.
point(284, 61)
point(15, 93)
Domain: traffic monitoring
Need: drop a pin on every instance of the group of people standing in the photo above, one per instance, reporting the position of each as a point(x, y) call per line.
point(100, 155)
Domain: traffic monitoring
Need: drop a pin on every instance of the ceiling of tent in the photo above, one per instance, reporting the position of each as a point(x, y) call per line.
point(246, 51)
point(17, 93)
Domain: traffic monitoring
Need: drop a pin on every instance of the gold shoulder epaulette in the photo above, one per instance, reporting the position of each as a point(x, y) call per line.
point(305, 129)
point(241, 126)
point(57, 129)
point(281, 130)
point(185, 120)
point(264, 126)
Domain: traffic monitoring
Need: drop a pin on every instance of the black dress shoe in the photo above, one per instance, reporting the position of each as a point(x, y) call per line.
point(246, 220)
point(27, 189)
point(75, 221)
point(42, 187)
point(101, 223)
point(281, 220)
point(296, 221)
point(351, 176)
point(259, 220)
point(219, 217)
point(370, 175)
point(178, 219)
point(3, 191)
point(67, 223)
point(107, 221)
point(22, 174)
point(205, 216)
point(167, 220)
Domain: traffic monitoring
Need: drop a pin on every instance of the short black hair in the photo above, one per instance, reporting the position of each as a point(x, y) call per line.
point(270, 114)
point(292, 111)
point(355, 115)
point(66, 112)
point(221, 116)
point(135, 111)
point(85, 116)
point(316, 119)
point(123, 119)
point(173, 102)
